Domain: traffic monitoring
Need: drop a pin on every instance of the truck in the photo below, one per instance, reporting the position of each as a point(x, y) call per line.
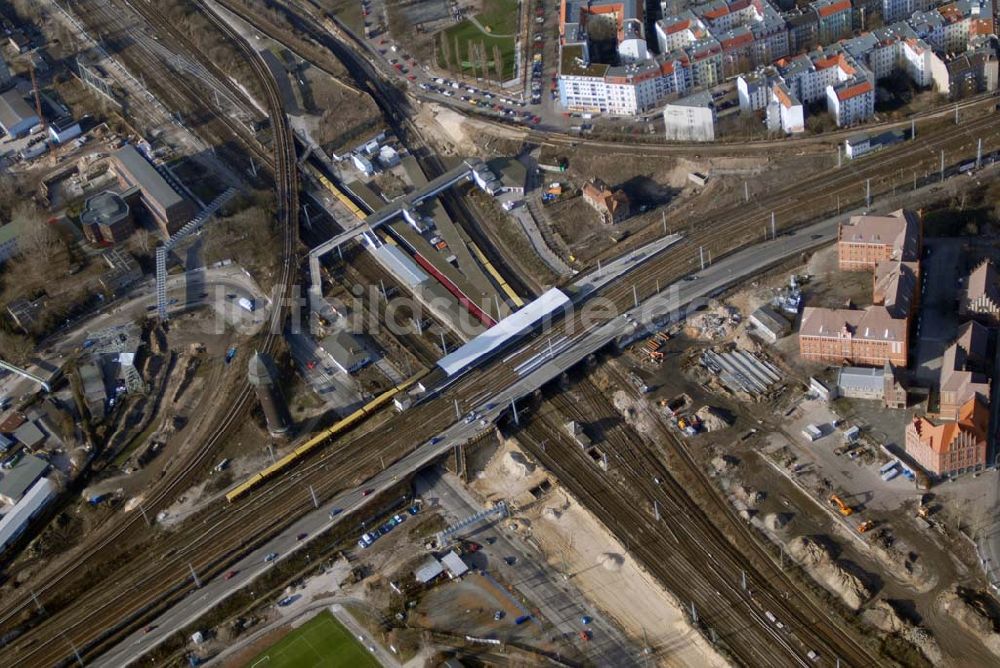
point(247, 304)
point(889, 467)
point(890, 474)
point(812, 432)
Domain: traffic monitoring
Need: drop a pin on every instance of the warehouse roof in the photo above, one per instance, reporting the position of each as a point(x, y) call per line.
point(345, 350)
point(402, 265)
point(144, 174)
point(13, 523)
point(427, 571)
point(16, 481)
point(504, 331)
point(454, 564)
point(29, 434)
point(861, 379)
point(14, 110)
point(769, 319)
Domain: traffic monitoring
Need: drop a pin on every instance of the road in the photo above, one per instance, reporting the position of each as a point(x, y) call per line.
point(709, 281)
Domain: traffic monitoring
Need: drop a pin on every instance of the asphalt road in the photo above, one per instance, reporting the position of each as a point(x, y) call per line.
point(669, 304)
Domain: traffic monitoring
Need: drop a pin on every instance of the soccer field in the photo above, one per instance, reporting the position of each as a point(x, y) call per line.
point(322, 641)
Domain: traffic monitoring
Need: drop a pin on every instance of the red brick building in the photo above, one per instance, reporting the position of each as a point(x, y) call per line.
point(868, 337)
point(889, 247)
point(950, 447)
point(864, 241)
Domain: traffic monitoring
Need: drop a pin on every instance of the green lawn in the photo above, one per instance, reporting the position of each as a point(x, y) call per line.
point(320, 642)
point(500, 18)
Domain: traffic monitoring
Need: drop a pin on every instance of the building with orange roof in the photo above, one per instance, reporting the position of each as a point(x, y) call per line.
point(947, 448)
point(611, 205)
point(834, 19)
point(785, 112)
point(851, 102)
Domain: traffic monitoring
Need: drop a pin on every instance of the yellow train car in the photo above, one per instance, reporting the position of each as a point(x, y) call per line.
point(336, 192)
point(509, 291)
point(322, 438)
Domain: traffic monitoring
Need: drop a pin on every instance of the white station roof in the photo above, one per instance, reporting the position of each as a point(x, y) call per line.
point(509, 328)
point(14, 522)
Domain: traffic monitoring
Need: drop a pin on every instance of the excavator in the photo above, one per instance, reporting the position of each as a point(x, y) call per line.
point(865, 526)
point(842, 507)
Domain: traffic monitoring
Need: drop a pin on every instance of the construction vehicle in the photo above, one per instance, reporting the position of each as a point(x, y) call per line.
point(842, 507)
point(865, 526)
point(923, 511)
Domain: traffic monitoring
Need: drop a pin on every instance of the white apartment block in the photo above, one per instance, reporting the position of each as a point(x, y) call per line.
point(704, 45)
point(690, 118)
point(785, 111)
point(851, 102)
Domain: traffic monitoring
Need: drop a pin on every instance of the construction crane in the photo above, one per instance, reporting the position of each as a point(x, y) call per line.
point(38, 98)
point(842, 507)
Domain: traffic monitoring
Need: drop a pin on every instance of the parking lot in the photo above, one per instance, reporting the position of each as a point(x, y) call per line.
point(854, 474)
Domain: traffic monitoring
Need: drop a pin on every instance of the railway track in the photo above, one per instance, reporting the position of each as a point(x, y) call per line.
point(697, 529)
point(286, 181)
point(287, 498)
point(244, 524)
point(684, 552)
point(214, 126)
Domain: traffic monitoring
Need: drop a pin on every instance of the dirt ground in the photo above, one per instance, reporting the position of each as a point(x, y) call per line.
point(578, 545)
point(917, 582)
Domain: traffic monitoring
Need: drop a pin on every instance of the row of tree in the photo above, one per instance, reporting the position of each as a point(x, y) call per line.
point(475, 60)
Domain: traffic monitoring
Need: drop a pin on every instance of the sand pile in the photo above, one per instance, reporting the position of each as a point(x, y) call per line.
point(829, 572)
point(611, 561)
point(712, 419)
point(973, 615)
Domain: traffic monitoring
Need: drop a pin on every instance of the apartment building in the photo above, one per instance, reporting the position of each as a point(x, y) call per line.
point(864, 241)
point(690, 118)
point(945, 448)
point(785, 111)
point(834, 19)
point(981, 296)
point(851, 102)
point(703, 45)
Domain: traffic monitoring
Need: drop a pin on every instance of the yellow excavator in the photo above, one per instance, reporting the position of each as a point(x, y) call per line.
point(842, 507)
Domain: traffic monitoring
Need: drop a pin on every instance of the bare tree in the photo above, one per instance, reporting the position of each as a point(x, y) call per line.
point(498, 63)
point(142, 239)
point(37, 241)
point(15, 348)
point(484, 63)
point(446, 52)
point(470, 48)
